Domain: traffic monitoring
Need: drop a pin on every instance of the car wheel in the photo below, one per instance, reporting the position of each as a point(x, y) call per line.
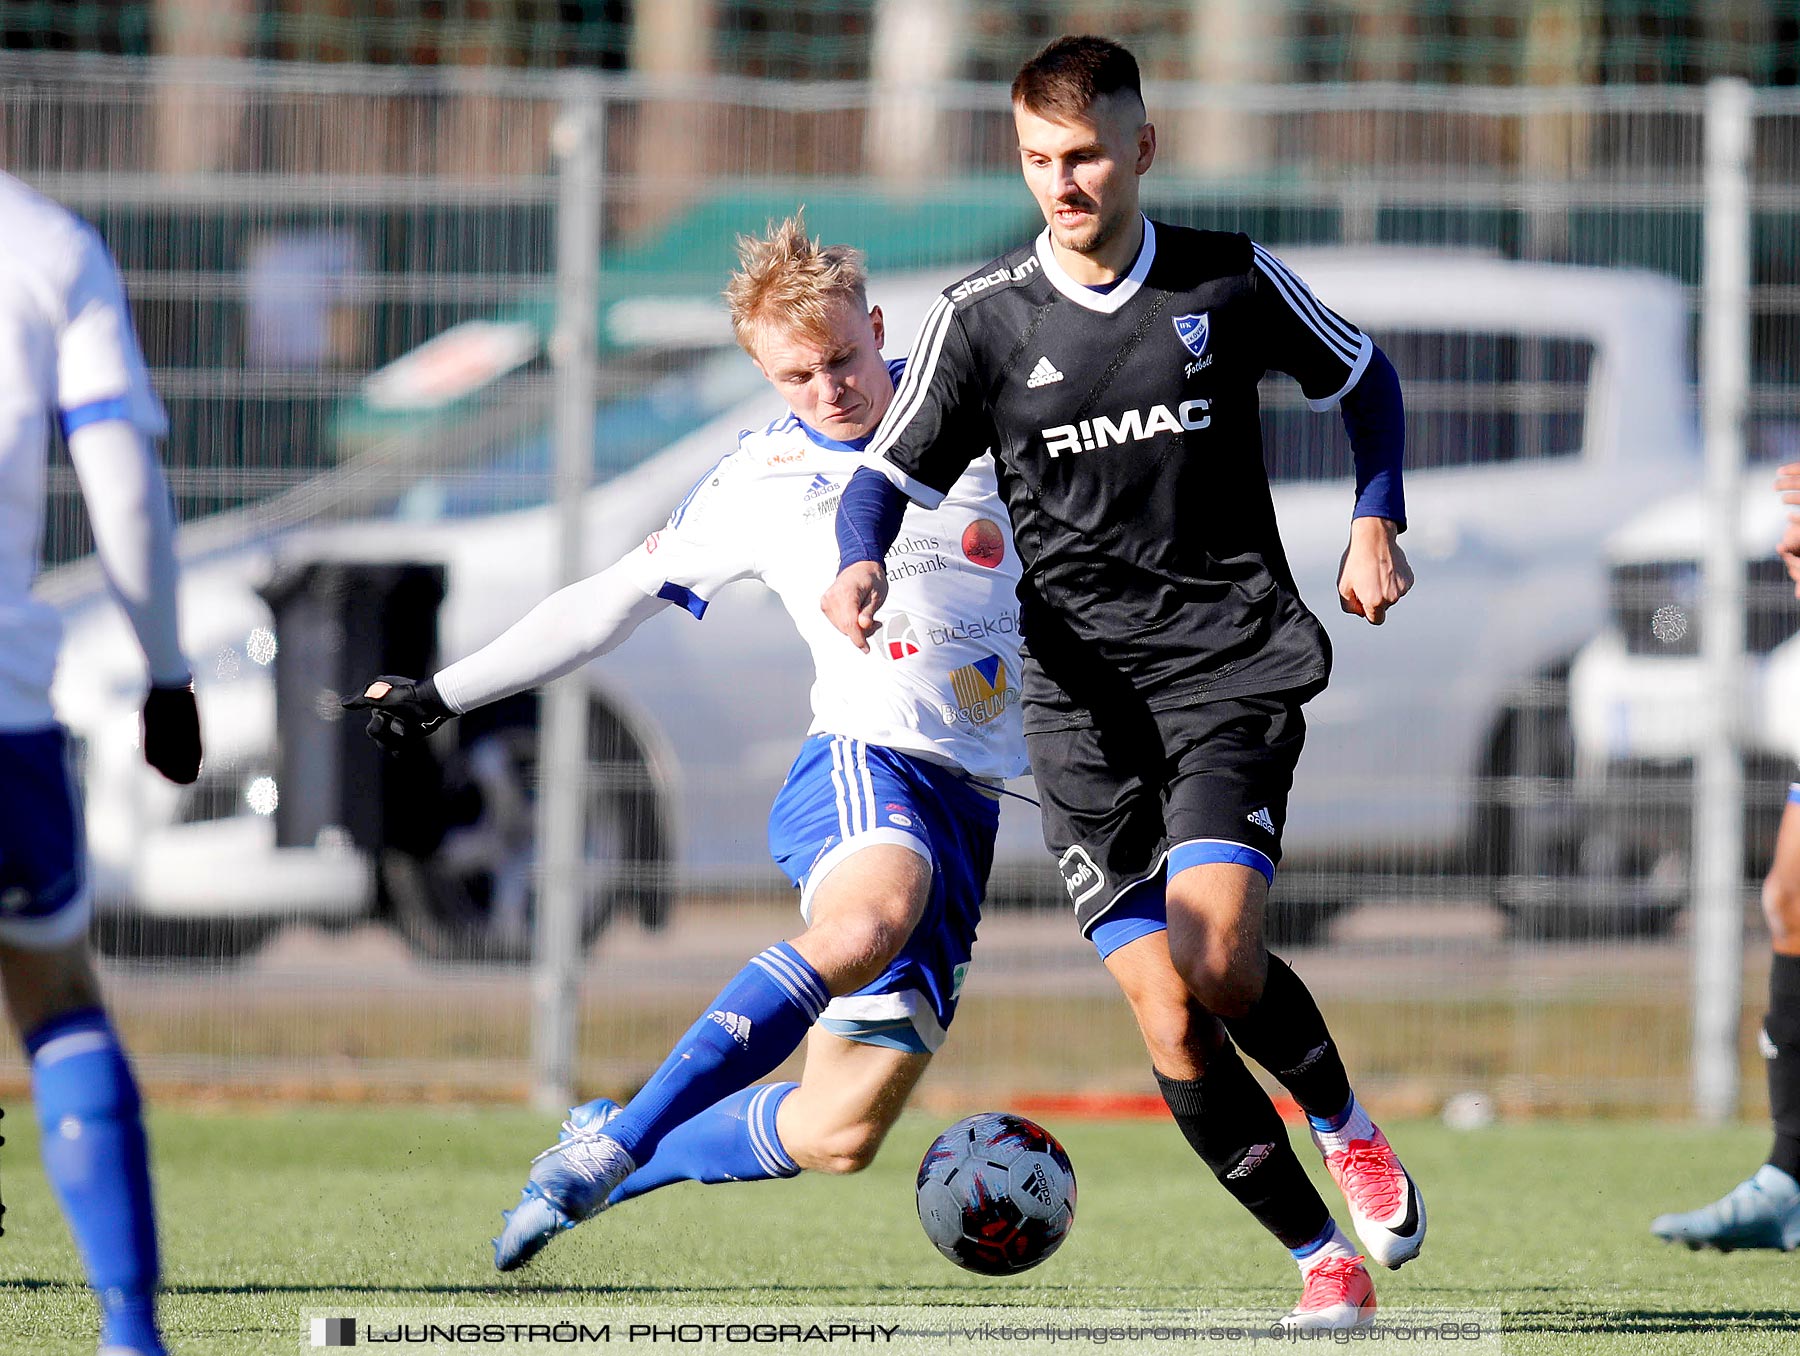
point(473, 898)
point(1298, 917)
point(1558, 872)
point(143, 937)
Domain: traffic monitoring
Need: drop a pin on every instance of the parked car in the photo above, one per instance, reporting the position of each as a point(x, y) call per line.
point(1544, 401)
point(1639, 701)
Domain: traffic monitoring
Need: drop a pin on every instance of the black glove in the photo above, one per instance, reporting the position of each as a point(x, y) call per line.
point(172, 733)
point(401, 712)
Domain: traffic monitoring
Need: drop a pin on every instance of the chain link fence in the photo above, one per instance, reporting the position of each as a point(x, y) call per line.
point(345, 279)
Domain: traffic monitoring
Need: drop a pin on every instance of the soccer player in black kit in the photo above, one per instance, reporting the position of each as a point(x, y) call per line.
point(1111, 366)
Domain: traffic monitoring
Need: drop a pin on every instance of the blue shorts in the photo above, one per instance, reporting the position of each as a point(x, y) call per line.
point(843, 795)
point(44, 896)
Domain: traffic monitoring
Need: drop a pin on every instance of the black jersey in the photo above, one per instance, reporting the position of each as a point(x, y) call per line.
point(1125, 430)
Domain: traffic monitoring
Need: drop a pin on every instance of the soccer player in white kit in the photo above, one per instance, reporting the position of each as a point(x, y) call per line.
point(886, 822)
point(67, 352)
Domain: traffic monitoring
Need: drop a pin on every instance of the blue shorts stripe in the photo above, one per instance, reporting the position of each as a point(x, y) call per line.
point(1140, 911)
point(840, 781)
point(1793, 793)
point(866, 784)
point(1202, 851)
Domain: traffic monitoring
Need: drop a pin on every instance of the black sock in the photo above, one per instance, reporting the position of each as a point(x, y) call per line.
point(1782, 1028)
point(1230, 1122)
point(1286, 1034)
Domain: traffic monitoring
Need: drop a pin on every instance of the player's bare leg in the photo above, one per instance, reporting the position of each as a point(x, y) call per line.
point(41, 985)
point(1178, 1031)
point(862, 913)
point(1763, 1211)
point(1215, 913)
point(849, 1097)
point(1230, 1123)
point(834, 1120)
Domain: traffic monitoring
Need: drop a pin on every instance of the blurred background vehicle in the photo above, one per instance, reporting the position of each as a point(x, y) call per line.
point(1637, 703)
point(1543, 398)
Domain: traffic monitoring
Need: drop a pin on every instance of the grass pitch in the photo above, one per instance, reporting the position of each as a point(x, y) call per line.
point(271, 1214)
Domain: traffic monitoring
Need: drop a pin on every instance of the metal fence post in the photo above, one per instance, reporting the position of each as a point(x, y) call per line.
point(1718, 770)
point(562, 888)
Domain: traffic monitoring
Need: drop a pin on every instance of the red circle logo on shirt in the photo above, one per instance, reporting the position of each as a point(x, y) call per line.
point(984, 543)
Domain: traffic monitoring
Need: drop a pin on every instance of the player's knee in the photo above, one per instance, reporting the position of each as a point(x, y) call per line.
point(1781, 907)
point(850, 951)
point(848, 1148)
point(1216, 972)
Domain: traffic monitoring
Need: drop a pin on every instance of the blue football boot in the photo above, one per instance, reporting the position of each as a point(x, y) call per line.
point(569, 1183)
point(1763, 1212)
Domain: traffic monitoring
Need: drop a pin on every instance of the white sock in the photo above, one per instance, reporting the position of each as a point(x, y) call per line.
point(1356, 1126)
point(1338, 1245)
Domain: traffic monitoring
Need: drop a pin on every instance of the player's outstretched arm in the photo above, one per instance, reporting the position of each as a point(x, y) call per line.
point(566, 630)
point(134, 534)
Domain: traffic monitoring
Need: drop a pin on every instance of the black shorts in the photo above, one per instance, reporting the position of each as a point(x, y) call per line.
point(1118, 797)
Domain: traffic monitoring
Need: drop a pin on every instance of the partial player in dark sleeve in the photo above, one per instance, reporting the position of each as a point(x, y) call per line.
point(1337, 365)
point(936, 426)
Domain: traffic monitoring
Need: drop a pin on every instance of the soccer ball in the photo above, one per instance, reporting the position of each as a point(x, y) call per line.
point(996, 1193)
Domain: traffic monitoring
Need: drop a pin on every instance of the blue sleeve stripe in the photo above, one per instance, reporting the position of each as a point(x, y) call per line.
point(94, 412)
point(687, 598)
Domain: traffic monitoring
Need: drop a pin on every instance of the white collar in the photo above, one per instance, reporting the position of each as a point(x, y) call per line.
point(1104, 302)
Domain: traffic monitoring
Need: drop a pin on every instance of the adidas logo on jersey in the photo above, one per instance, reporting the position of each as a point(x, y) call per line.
point(1043, 374)
point(1251, 1161)
point(1262, 819)
point(737, 1025)
point(1130, 427)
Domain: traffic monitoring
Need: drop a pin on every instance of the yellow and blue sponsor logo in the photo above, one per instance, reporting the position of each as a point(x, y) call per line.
point(982, 692)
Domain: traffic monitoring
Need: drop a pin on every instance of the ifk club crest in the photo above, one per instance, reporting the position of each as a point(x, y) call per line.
point(1194, 331)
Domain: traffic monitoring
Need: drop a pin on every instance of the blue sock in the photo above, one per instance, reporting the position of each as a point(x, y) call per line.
point(758, 1020)
point(1326, 1235)
point(97, 1159)
point(733, 1141)
point(1329, 1123)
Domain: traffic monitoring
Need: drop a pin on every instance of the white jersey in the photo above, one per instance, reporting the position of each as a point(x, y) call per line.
point(941, 679)
point(66, 350)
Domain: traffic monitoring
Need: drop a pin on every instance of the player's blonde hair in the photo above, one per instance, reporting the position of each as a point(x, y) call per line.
point(788, 280)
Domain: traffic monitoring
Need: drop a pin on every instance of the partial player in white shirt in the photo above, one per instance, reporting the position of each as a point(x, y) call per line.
point(886, 821)
point(68, 354)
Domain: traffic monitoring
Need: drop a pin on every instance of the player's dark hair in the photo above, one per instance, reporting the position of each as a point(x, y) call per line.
point(1073, 73)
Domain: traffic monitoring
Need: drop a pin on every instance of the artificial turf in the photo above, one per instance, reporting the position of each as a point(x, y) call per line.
point(269, 1215)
